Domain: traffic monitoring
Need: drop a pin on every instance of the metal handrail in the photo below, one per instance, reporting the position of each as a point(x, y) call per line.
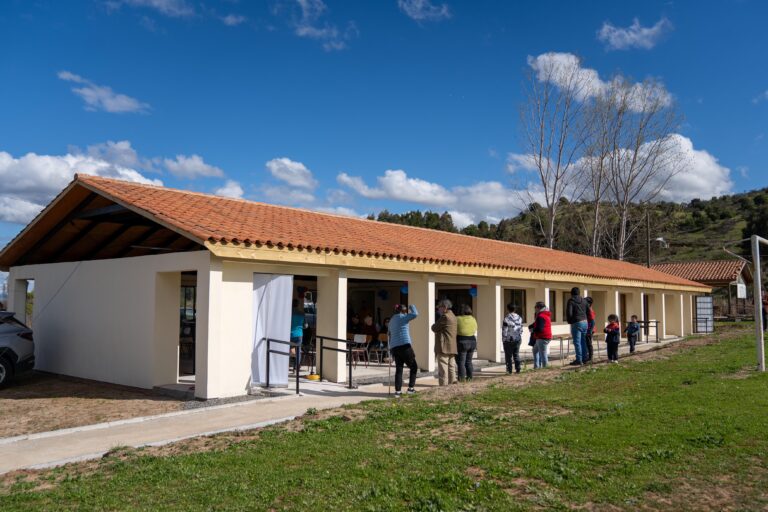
point(320, 348)
point(270, 351)
point(706, 319)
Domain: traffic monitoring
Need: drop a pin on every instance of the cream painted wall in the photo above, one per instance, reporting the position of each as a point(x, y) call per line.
point(489, 316)
point(96, 319)
point(421, 293)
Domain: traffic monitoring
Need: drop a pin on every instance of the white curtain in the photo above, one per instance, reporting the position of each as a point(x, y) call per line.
point(272, 298)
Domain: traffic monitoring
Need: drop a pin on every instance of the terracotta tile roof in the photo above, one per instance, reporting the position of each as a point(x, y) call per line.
point(715, 271)
point(224, 220)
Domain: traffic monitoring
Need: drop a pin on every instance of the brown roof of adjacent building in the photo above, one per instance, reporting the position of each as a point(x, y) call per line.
point(716, 271)
point(222, 220)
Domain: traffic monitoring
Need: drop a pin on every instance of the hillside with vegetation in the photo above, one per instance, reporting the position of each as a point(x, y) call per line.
point(697, 230)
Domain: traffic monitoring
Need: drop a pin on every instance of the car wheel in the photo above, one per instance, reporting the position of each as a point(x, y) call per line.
point(6, 371)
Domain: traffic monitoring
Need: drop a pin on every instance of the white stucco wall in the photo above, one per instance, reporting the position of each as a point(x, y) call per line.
point(99, 319)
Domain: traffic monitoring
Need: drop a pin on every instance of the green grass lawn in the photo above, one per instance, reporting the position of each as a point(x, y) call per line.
point(687, 431)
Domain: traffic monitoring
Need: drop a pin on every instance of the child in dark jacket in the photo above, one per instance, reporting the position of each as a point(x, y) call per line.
point(612, 337)
point(633, 332)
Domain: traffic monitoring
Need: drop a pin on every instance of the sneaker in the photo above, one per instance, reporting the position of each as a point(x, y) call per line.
point(398, 394)
point(411, 391)
point(575, 363)
point(509, 372)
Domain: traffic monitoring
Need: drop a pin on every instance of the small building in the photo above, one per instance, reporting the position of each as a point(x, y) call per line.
point(129, 277)
point(730, 281)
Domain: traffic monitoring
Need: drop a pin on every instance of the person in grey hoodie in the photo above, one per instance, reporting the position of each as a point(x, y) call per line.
point(576, 315)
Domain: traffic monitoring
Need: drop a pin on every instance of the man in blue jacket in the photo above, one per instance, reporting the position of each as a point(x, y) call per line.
point(400, 346)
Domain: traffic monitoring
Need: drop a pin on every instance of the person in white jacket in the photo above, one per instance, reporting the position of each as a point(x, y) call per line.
point(512, 337)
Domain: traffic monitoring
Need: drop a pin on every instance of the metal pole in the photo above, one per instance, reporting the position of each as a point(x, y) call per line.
point(297, 366)
point(268, 354)
point(756, 271)
point(320, 368)
point(349, 354)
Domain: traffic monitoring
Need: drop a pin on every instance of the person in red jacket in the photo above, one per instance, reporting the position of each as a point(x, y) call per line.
point(612, 338)
point(590, 329)
point(541, 335)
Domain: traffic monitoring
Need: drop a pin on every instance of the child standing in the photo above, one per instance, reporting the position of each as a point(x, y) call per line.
point(590, 329)
point(633, 331)
point(612, 336)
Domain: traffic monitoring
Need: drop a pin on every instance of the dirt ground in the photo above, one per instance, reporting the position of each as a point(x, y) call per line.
point(39, 402)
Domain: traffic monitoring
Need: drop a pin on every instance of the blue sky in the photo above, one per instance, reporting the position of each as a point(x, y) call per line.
point(350, 106)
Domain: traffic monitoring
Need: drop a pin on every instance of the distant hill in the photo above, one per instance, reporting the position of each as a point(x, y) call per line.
point(694, 231)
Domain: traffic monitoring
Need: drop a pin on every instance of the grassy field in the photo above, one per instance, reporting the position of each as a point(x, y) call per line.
point(678, 429)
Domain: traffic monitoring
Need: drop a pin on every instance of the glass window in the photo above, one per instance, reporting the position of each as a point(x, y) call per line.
point(518, 299)
point(553, 305)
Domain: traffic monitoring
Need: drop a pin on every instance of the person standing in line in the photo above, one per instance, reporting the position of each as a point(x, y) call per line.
point(576, 315)
point(590, 329)
point(445, 343)
point(400, 346)
point(633, 331)
point(297, 330)
point(512, 337)
point(612, 337)
point(466, 341)
point(541, 335)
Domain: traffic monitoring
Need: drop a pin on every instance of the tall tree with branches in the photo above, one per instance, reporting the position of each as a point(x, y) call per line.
point(553, 136)
point(644, 154)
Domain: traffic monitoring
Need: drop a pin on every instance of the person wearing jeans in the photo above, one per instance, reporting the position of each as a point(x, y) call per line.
point(466, 341)
point(541, 334)
point(512, 336)
point(400, 345)
point(576, 315)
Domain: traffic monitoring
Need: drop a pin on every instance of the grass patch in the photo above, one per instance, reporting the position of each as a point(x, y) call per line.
point(677, 432)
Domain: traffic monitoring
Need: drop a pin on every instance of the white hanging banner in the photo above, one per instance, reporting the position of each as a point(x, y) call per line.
point(272, 298)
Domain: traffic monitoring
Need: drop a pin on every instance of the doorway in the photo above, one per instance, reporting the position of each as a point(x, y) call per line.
point(187, 323)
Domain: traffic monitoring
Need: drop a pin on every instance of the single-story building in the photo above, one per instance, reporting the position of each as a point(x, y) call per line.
point(116, 264)
point(730, 281)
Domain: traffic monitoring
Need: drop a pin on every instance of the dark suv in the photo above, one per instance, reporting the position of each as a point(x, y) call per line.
point(17, 349)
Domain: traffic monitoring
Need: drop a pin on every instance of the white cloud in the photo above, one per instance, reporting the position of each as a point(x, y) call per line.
point(633, 36)
point(191, 167)
point(120, 153)
point(291, 172)
point(486, 200)
point(338, 210)
point(702, 176)
point(308, 22)
point(395, 184)
point(288, 196)
point(101, 97)
point(565, 70)
point(760, 97)
point(233, 20)
point(231, 188)
point(461, 219)
point(424, 10)
point(32, 181)
point(171, 8)
point(520, 162)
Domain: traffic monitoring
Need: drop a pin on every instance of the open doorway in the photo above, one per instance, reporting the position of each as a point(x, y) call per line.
point(187, 324)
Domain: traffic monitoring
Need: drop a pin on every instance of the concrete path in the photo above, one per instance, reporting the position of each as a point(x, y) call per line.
point(47, 449)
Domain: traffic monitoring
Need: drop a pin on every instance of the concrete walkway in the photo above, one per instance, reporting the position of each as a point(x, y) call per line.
point(47, 449)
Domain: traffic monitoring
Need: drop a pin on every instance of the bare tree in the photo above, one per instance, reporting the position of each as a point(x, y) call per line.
point(552, 124)
point(644, 152)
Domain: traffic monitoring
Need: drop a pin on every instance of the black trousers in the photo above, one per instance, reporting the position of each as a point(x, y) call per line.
point(613, 350)
point(404, 355)
point(512, 354)
point(466, 349)
point(588, 343)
